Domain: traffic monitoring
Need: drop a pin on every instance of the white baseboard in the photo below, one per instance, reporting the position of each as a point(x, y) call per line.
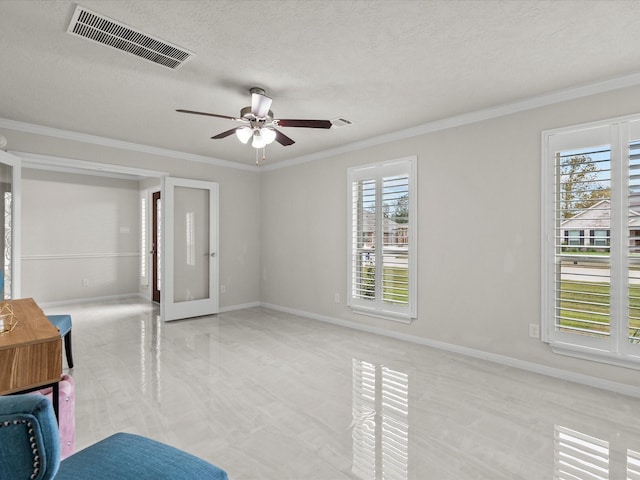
point(471, 352)
point(240, 306)
point(106, 298)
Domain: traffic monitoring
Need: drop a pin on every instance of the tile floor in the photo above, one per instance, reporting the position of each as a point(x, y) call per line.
point(268, 395)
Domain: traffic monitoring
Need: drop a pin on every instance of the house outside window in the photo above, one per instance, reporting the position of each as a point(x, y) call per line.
point(591, 241)
point(382, 230)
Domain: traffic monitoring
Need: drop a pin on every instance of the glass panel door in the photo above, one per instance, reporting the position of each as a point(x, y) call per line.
point(190, 281)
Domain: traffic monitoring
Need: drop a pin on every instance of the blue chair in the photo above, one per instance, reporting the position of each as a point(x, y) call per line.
point(30, 449)
point(63, 323)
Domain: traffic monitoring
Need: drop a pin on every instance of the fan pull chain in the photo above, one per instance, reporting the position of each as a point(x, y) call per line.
point(264, 155)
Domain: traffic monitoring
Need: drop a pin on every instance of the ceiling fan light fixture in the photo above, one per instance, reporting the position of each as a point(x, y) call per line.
point(244, 134)
point(258, 141)
point(258, 123)
point(268, 134)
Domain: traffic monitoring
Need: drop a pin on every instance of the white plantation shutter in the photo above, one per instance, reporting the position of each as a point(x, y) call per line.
point(364, 205)
point(395, 241)
point(382, 231)
point(591, 241)
point(633, 243)
point(583, 205)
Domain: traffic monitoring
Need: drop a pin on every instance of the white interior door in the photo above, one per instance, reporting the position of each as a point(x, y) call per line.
point(190, 254)
point(10, 173)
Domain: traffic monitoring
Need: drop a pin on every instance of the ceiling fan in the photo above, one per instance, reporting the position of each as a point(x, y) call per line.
point(257, 122)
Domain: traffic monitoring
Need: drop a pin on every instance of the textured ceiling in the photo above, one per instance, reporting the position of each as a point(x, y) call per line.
point(384, 65)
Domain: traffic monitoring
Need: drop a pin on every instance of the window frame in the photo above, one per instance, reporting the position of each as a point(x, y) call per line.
point(376, 172)
point(616, 349)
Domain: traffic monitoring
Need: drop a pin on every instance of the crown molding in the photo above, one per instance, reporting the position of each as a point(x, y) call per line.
point(531, 103)
point(119, 144)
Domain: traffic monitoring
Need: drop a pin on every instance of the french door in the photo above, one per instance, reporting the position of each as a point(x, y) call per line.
point(10, 167)
point(189, 248)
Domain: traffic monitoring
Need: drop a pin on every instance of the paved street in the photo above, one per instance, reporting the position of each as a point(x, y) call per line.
point(591, 274)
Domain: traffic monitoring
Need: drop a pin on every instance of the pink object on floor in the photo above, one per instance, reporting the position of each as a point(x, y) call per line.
point(66, 415)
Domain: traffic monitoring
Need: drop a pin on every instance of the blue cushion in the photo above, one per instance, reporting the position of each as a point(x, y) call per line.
point(125, 456)
point(29, 441)
point(61, 322)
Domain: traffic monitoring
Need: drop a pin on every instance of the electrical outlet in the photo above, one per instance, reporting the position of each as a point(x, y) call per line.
point(534, 330)
point(336, 298)
point(223, 289)
point(85, 282)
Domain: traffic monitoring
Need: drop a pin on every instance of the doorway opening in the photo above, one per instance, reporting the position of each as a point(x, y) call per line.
point(156, 245)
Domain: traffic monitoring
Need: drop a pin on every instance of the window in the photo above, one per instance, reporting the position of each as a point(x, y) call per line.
point(600, 238)
point(591, 241)
point(574, 237)
point(382, 230)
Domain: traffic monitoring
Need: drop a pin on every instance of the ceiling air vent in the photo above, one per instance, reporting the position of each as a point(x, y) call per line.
point(340, 122)
point(101, 29)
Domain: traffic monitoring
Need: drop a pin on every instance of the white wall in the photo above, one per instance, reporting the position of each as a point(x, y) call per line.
point(479, 266)
point(80, 236)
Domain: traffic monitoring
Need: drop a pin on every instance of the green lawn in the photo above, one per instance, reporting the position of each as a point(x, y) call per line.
point(586, 306)
point(395, 284)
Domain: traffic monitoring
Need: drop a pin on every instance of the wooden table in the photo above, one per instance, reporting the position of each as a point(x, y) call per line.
point(31, 354)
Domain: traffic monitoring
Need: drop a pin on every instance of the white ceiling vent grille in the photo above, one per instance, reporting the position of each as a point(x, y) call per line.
point(101, 29)
point(340, 122)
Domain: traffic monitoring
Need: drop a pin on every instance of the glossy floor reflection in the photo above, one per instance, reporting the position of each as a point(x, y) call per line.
point(268, 395)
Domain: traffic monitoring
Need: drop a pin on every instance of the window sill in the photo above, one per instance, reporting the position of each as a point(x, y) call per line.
point(385, 315)
point(595, 355)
